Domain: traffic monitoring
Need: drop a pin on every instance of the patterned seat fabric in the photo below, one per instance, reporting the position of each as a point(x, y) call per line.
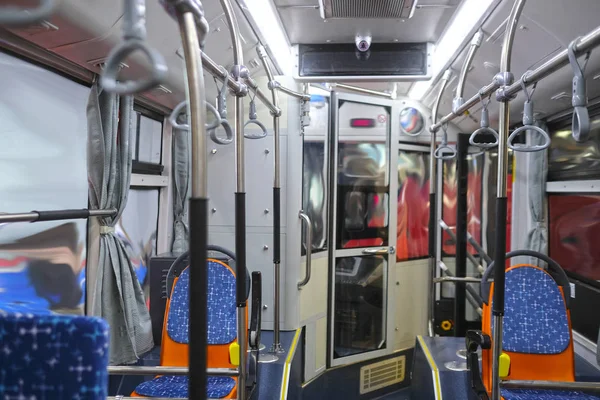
point(535, 319)
point(222, 322)
point(53, 357)
point(177, 386)
point(532, 394)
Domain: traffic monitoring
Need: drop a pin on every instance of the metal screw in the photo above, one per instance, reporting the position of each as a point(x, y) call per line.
point(214, 151)
point(265, 307)
point(397, 283)
point(265, 247)
point(267, 151)
point(214, 210)
point(397, 329)
point(267, 210)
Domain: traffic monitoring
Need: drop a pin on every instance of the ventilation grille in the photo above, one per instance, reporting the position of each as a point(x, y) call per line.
point(382, 374)
point(367, 8)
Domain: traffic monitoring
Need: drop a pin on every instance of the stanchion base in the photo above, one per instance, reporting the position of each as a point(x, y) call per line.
point(267, 358)
point(277, 349)
point(261, 347)
point(463, 354)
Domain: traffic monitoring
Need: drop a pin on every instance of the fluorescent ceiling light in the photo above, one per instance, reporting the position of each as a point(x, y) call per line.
point(271, 31)
point(465, 20)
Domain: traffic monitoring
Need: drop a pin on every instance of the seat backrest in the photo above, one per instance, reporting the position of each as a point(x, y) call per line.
point(222, 320)
point(536, 327)
point(53, 357)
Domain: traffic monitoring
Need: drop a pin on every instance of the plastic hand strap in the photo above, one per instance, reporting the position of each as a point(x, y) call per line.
point(444, 152)
point(253, 120)
point(15, 16)
point(581, 118)
point(134, 39)
point(228, 134)
point(484, 127)
point(179, 108)
point(527, 148)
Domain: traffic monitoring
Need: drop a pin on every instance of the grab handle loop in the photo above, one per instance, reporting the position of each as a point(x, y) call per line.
point(16, 16)
point(180, 7)
point(179, 108)
point(484, 127)
point(253, 120)
point(444, 152)
point(528, 124)
point(222, 111)
point(581, 118)
point(134, 39)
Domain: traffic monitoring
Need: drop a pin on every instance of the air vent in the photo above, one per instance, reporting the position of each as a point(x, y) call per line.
point(382, 374)
point(392, 9)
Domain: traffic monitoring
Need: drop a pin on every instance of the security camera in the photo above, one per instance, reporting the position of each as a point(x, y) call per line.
point(363, 43)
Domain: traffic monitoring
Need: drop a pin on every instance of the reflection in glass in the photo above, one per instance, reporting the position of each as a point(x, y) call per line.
point(363, 201)
point(574, 230)
point(359, 324)
point(314, 193)
point(411, 121)
point(149, 141)
point(568, 159)
point(413, 205)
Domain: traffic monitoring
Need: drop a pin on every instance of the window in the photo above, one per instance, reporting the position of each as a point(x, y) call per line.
point(147, 143)
point(43, 142)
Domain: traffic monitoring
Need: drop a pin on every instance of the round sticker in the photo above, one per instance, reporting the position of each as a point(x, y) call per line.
point(382, 118)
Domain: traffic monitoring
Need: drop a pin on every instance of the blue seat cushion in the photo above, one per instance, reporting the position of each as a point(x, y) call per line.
point(535, 315)
point(535, 394)
point(177, 386)
point(53, 357)
point(222, 320)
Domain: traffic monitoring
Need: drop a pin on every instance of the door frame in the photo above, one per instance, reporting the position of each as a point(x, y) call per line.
point(392, 139)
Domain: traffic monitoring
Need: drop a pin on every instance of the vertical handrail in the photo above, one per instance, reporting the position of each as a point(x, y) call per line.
point(462, 79)
point(308, 243)
point(276, 347)
point(504, 78)
point(239, 72)
point(433, 228)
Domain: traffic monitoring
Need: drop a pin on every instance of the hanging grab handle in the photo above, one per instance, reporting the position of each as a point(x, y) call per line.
point(444, 151)
point(15, 16)
point(484, 127)
point(222, 111)
point(253, 120)
point(528, 124)
point(180, 7)
point(180, 107)
point(581, 117)
point(134, 39)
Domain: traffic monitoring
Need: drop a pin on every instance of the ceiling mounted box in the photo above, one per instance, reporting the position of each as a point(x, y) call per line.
point(393, 9)
point(390, 62)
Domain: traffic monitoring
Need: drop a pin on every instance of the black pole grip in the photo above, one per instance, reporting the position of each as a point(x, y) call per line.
point(62, 215)
point(198, 323)
point(462, 173)
point(432, 224)
point(276, 225)
point(240, 248)
point(500, 256)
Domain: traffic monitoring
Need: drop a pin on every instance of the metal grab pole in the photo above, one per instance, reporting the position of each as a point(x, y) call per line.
point(462, 170)
point(54, 215)
point(505, 78)
point(239, 73)
point(462, 79)
point(364, 91)
point(433, 206)
point(198, 208)
point(276, 348)
point(470, 256)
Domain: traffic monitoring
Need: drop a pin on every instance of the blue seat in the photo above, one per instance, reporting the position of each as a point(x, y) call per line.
point(53, 357)
point(177, 386)
point(531, 394)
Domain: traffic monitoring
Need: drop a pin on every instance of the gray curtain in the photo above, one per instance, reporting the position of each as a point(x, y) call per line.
point(537, 237)
point(181, 183)
point(117, 294)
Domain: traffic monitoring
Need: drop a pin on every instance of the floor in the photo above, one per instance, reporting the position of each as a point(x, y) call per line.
point(403, 394)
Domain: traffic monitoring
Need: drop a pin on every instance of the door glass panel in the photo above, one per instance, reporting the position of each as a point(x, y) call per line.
point(359, 321)
point(412, 240)
point(362, 177)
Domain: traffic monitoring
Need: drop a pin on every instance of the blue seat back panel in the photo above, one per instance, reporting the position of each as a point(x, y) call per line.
point(53, 357)
point(535, 315)
point(177, 386)
point(533, 394)
point(222, 322)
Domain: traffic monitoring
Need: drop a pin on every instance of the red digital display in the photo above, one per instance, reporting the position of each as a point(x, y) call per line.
point(362, 123)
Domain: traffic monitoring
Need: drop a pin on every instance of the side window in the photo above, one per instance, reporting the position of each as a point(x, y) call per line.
point(314, 186)
point(43, 142)
point(147, 143)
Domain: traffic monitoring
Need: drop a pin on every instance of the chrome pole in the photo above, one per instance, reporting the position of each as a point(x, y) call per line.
point(505, 78)
point(433, 217)
point(239, 73)
point(54, 215)
point(363, 90)
point(462, 79)
point(276, 347)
